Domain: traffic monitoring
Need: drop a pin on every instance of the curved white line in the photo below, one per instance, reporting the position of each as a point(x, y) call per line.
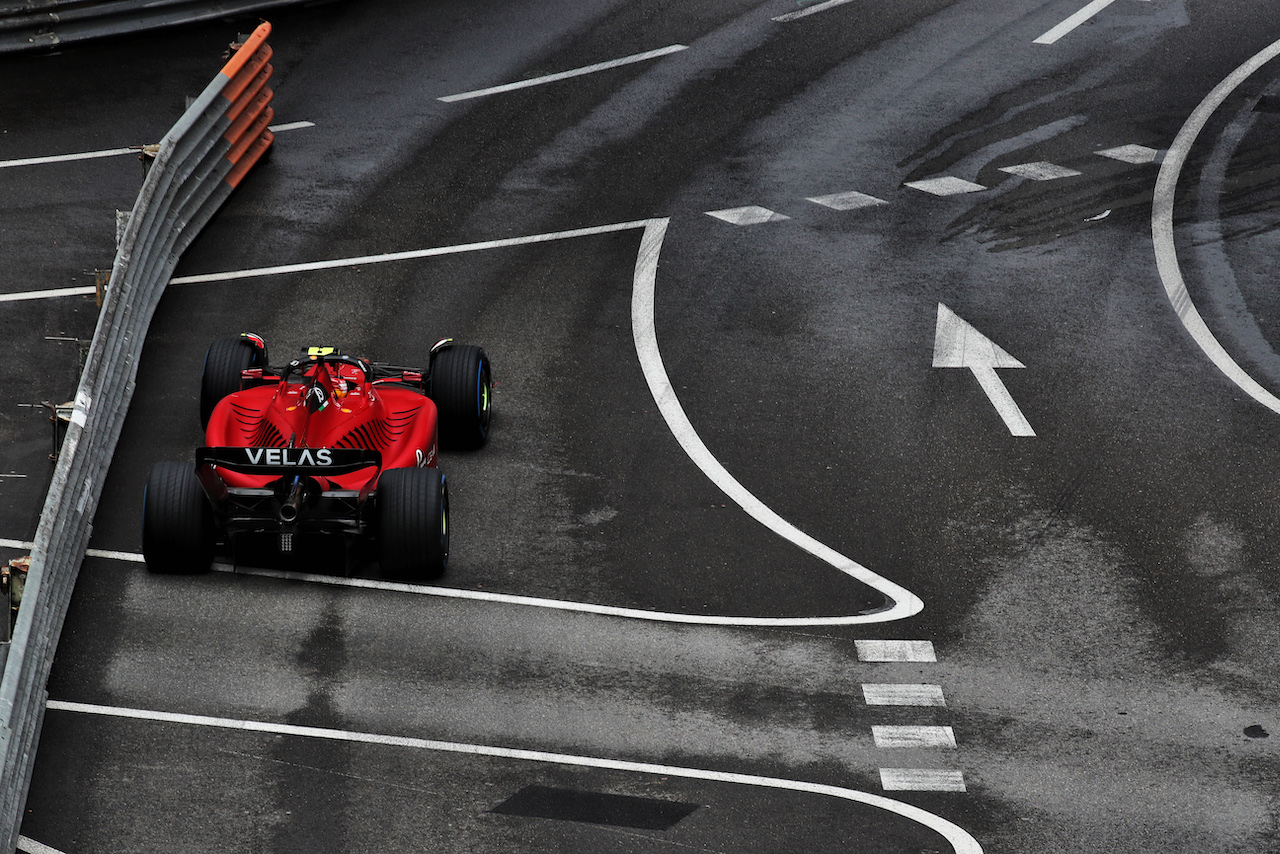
point(1162, 230)
point(528, 601)
point(478, 595)
point(905, 603)
point(960, 839)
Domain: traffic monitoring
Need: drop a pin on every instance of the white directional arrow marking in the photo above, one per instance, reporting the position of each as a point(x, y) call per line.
point(956, 344)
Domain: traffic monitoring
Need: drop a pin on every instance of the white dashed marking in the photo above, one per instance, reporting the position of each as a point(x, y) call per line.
point(1136, 154)
point(1040, 171)
point(903, 695)
point(920, 737)
point(921, 780)
point(895, 650)
point(945, 186)
point(749, 215)
point(847, 201)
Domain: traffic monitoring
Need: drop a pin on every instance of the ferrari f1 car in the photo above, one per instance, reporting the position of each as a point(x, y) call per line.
point(327, 444)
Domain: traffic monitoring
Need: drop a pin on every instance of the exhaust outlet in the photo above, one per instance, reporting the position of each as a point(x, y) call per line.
point(293, 502)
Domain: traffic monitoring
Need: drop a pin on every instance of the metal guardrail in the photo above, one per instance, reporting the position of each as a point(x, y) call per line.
point(43, 24)
point(197, 165)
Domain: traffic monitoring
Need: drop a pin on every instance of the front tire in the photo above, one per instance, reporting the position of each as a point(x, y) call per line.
point(177, 521)
point(413, 524)
point(462, 390)
point(223, 362)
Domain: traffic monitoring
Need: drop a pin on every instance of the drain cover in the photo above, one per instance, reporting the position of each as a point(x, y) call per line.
point(595, 808)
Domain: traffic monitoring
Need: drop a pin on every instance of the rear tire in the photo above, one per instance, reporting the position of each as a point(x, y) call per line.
point(177, 521)
point(223, 362)
point(413, 524)
point(462, 390)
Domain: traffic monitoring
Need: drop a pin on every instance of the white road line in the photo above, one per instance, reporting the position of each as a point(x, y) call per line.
point(905, 603)
point(812, 10)
point(106, 554)
point(65, 158)
point(565, 75)
point(1162, 230)
point(410, 255)
point(311, 266)
point(287, 126)
point(1074, 21)
point(116, 152)
point(913, 737)
point(32, 847)
point(23, 296)
point(921, 780)
point(895, 650)
point(895, 694)
point(480, 595)
point(959, 839)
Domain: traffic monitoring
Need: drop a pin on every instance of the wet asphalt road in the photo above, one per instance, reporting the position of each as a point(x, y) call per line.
point(1101, 596)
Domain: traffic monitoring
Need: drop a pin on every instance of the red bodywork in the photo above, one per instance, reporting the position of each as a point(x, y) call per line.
point(389, 416)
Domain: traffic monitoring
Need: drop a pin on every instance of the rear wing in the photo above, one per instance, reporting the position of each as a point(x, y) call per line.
point(289, 461)
point(285, 462)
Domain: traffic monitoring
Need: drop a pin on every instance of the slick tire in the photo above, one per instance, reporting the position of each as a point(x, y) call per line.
point(413, 524)
point(177, 521)
point(223, 362)
point(462, 390)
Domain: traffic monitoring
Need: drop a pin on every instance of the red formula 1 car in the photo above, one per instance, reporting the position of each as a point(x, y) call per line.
point(325, 445)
